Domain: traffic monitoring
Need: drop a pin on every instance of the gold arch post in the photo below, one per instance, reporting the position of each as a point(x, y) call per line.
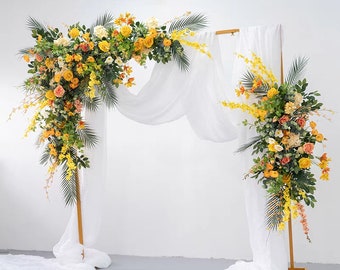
point(79, 212)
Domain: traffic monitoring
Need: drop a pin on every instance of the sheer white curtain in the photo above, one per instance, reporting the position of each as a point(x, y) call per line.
point(269, 252)
point(171, 93)
point(168, 95)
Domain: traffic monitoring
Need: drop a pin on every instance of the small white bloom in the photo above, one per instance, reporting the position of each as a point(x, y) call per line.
point(278, 148)
point(279, 133)
point(298, 99)
point(151, 23)
point(271, 141)
point(119, 61)
point(100, 31)
point(62, 42)
point(109, 60)
point(60, 62)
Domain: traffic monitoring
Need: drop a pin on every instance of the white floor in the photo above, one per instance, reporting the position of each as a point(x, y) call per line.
point(122, 262)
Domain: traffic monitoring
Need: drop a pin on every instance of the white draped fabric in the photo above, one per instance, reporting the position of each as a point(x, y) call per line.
point(268, 248)
point(171, 93)
point(167, 96)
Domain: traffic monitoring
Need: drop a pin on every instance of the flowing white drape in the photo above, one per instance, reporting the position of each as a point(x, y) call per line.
point(268, 248)
point(167, 96)
point(172, 93)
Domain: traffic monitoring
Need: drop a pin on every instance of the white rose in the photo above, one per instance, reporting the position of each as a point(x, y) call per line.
point(62, 42)
point(109, 60)
point(100, 31)
point(151, 23)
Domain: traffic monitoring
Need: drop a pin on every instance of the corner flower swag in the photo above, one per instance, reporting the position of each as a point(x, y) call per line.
point(81, 69)
point(284, 148)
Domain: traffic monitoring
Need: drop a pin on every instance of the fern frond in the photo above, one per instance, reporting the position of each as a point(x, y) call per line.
point(296, 70)
point(34, 24)
point(192, 22)
point(248, 144)
point(274, 211)
point(88, 136)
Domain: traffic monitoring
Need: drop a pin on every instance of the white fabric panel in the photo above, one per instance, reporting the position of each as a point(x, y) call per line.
point(172, 93)
point(68, 250)
point(268, 247)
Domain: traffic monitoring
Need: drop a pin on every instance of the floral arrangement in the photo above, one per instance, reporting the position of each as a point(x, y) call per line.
point(81, 69)
point(284, 148)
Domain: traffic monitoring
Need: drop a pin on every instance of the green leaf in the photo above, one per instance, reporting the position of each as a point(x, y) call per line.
point(108, 94)
point(296, 70)
point(105, 20)
point(249, 144)
point(33, 24)
point(68, 187)
point(192, 22)
point(88, 136)
point(274, 212)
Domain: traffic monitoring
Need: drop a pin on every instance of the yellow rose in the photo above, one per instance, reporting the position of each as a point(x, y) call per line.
point(272, 92)
point(74, 32)
point(312, 124)
point(90, 59)
point(319, 137)
point(57, 77)
point(68, 75)
point(125, 30)
point(166, 42)
point(274, 174)
point(50, 95)
point(304, 163)
point(49, 63)
point(148, 41)
point(139, 44)
point(104, 46)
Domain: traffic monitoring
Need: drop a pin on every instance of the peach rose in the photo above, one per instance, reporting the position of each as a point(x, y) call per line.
point(308, 148)
point(59, 91)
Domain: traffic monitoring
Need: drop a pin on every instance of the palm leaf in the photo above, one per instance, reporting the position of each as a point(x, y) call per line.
point(247, 79)
point(68, 187)
point(296, 70)
point(192, 22)
point(24, 51)
point(248, 144)
point(91, 104)
point(182, 59)
point(45, 157)
point(33, 24)
point(108, 94)
point(274, 212)
point(88, 136)
point(105, 20)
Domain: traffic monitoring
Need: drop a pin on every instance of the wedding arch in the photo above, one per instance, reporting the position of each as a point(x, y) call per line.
point(169, 95)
